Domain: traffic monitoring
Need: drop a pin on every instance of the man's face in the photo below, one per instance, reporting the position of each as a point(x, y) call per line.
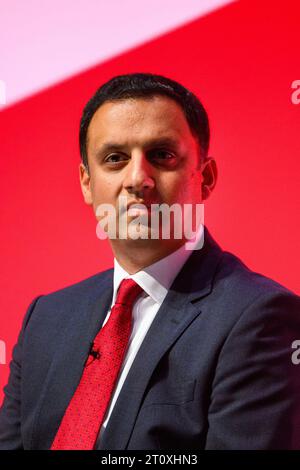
point(142, 149)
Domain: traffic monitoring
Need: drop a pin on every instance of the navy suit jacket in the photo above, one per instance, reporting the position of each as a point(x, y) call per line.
point(213, 372)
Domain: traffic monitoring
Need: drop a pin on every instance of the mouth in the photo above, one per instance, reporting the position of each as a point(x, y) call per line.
point(138, 209)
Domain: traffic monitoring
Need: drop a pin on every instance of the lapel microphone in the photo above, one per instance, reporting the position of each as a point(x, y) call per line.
point(94, 352)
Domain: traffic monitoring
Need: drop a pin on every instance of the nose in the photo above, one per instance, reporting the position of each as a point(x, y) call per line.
point(139, 176)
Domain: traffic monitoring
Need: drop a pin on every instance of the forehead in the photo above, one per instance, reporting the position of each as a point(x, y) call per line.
point(138, 119)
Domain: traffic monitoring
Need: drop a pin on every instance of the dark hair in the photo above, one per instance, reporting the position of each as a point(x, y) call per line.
point(143, 85)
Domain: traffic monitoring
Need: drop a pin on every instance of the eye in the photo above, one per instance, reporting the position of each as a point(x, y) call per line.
point(115, 158)
point(162, 154)
point(164, 158)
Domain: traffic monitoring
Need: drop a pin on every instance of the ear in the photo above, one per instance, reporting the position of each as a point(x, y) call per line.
point(209, 176)
point(85, 183)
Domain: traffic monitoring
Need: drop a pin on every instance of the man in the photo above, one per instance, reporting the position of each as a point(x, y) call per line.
point(174, 348)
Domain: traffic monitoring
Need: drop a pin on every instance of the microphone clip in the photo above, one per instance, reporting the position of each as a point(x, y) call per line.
point(95, 353)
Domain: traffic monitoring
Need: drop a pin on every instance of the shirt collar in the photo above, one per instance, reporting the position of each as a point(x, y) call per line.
point(157, 278)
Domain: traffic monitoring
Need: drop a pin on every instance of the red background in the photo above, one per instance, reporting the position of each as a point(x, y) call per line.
point(240, 61)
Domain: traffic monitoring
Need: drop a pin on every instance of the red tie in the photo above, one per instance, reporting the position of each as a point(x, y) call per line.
point(84, 416)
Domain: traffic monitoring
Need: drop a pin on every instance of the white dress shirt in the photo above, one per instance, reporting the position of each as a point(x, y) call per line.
point(155, 281)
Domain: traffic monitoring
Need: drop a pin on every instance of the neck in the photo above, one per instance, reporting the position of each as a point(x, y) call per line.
point(134, 255)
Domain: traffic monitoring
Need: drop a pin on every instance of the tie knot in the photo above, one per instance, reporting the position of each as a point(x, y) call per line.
point(128, 292)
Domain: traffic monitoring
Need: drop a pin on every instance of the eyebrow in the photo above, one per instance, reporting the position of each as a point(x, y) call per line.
point(160, 142)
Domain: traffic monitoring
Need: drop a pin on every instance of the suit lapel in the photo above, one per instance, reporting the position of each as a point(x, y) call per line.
point(177, 312)
point(67, 365)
